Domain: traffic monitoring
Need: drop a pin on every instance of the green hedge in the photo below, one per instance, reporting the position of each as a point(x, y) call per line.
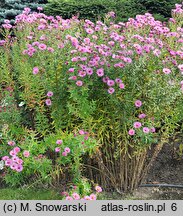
point(90, 9)
point(67, 9)
point(123, 8)
point(160, 7)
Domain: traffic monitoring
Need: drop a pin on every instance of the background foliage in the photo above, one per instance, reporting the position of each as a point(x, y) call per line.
point(10, 8)
point(161, 9)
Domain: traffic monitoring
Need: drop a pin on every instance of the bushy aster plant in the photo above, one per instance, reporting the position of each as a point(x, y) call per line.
point(121, 82)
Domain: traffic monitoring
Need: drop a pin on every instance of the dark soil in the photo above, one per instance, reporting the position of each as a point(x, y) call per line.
point(166, 169)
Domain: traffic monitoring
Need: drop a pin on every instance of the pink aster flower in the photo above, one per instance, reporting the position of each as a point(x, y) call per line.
point(89, 71)
point(6, 21)
point(87, 40)
point(76, 196)
point(11, 143)
point(82, 73)
point(8, 162)
point(111, 14)
point(86, 138)
point(93, 197)
point(30, 53)
point(50, 49)
point(36, 43)
point(13, 166)
point(118, 80)
point(12, 153)
point(141, 116)
point(105, 79)
point(81, 132)
point(29, 37)
point(68, 198)
point(166, 70)
point(14, 158)
point(61, 45)
point(180, 67)
point(59, 142)
point(87, 198)
point(57, 149)
point(153, 130)
point(89, 31)
point(137, 124)
point(74, 59)
point(2, 42)
point(48, 102)
point(157, 52)
point(7, 26)
point(26, 153)
point(110, 82)
point(98, 189)
point(73, 78)
point(42, 46)
point(24, 52)
point(19, 161)
point(74, 187)
point(27, 10)
point(39, 8)
point(5, 158)
point(41, 27)
point(50, 94)
point(138, 103)
point(111, 90)
point(100, 72)
point(83, 58)
point(131, 132)
point(35, 70)
point(172, 20)
point(71, 70)
point(64, 154)
point(146, 130)
point(121, 86)
point(19, 168)
point(67, 150)
point(16, 149)
point(79, 83)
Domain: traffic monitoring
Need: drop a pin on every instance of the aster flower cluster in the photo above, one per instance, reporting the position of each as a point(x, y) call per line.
point(48, 100)
point(82, 136)
point(76, 196)
point(92, 59)
point(58, 149)
point(13, 160)
point(102, 53)
point(138, 124)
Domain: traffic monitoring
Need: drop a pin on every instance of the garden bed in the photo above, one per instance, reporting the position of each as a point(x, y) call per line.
point(166, 168)
point(85, 104)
